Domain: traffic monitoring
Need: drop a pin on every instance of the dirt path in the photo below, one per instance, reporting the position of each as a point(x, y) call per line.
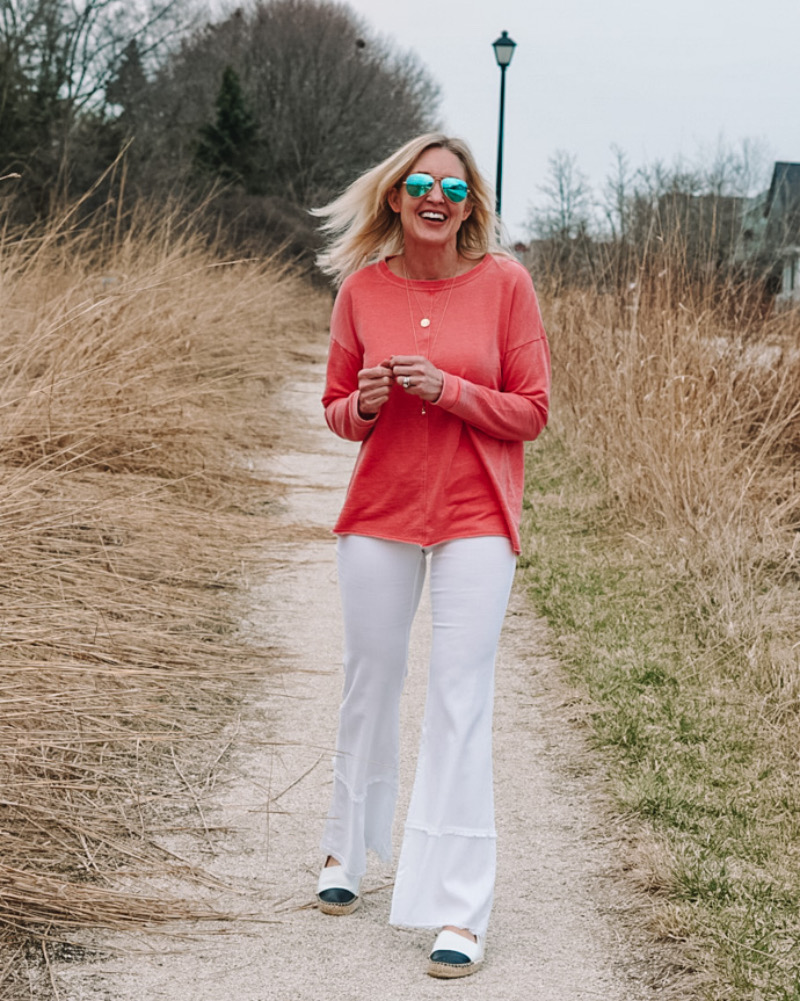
point(561, 927)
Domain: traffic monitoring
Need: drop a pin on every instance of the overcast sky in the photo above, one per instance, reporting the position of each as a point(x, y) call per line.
point(658, 80)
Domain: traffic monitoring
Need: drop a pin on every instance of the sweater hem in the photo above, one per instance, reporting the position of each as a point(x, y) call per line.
point(427, 545)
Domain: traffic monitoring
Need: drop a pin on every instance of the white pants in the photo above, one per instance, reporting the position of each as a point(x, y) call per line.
point(447, 862)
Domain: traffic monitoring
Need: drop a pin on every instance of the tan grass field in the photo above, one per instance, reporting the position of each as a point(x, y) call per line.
point(663, 522)
point(136, 376)
point(692, 415)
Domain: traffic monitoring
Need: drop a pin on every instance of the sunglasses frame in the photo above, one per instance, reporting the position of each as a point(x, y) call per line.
point(447, 184)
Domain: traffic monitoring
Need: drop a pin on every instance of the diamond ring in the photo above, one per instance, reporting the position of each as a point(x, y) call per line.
point(406, 382)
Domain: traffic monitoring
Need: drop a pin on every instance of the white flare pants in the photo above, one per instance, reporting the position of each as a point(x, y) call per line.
point(446, 870)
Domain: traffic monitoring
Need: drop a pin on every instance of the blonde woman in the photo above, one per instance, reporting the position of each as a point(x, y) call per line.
point(439, 366)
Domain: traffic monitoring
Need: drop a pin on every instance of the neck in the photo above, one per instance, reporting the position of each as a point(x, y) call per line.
point(431, 263)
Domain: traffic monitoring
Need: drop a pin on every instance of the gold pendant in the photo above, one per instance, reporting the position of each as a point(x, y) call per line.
point(424, 322)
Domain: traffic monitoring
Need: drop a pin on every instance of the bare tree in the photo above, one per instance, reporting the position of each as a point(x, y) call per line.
point(566, 211)
point(617, 192)
point(668, 227)
point(740, 170)
point(80, 79)
point(330, 98)
point(561, 224)
point(56, 59)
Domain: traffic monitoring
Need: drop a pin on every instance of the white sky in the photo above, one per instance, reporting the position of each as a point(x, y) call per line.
point(660, 81)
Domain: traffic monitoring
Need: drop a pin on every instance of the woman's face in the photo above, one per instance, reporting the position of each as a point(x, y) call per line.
point(432, 219)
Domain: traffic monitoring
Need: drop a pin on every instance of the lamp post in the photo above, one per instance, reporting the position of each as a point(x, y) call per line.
point(503, 51)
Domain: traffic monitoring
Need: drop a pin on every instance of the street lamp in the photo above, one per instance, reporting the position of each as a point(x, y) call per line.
point(503, 51)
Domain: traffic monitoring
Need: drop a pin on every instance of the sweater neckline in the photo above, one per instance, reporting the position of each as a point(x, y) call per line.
point(436, 284)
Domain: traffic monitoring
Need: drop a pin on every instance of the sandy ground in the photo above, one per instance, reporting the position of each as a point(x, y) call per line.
point(564, 921)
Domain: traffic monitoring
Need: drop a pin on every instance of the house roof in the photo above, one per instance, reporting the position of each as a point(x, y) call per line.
point(782, 206)
point(785, 182)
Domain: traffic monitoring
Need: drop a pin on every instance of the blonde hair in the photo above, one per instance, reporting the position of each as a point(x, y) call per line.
point(363, 228)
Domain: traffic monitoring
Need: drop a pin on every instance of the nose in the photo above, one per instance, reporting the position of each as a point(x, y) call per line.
point(436, 193)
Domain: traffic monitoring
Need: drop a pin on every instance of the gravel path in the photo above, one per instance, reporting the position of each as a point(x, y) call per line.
point(563, 918)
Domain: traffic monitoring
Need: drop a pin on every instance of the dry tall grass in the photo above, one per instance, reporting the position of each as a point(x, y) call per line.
point(663, 525)
point(690, 406)
point(136, 372)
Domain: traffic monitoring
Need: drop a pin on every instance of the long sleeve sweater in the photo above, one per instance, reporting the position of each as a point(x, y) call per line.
point(453, 468)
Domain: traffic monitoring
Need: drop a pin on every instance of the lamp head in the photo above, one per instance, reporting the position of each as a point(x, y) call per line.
point(504, 49)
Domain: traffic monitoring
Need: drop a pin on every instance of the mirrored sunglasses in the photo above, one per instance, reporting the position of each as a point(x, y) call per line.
point(453, 188)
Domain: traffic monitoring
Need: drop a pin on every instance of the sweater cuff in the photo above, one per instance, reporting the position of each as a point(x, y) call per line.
point(451, 391)
point(356, 417)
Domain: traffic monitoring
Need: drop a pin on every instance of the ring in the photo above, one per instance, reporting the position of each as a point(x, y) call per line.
point(406, 382)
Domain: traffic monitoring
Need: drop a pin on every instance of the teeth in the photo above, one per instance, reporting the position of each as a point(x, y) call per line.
point(432, 215)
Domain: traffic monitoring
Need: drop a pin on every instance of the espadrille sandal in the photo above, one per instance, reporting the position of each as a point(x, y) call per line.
point(454, 956)
point(337, 891)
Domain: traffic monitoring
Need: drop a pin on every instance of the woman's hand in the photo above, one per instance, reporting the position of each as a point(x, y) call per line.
point(417, 376)
point(374, 386)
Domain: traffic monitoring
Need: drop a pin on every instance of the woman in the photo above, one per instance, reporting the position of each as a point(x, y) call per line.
point(439, 365)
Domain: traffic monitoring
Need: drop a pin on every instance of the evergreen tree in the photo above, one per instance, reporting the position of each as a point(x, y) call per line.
point(127, 88)
point(229, 147)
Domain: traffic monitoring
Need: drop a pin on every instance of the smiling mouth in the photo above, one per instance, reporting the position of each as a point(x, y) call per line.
point(433, 216)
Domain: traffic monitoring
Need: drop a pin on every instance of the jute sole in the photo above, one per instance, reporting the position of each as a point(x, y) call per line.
point(449, 971)
point(338, 910)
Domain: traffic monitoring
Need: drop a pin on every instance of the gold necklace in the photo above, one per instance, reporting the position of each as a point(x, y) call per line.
point(426, 320)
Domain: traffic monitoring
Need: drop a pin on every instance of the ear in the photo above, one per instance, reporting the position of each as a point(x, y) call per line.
point(467, 210)
point(393, 198)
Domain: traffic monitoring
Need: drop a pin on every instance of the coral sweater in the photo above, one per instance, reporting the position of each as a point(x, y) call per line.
point(456, 469)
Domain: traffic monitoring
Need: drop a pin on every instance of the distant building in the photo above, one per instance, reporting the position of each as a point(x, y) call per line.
point(770, 233)
point(782, 229)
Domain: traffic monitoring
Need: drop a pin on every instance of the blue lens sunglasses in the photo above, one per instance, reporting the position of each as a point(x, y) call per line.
point(453, 188)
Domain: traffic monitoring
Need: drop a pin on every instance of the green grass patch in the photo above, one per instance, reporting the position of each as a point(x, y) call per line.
point(691, 750)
